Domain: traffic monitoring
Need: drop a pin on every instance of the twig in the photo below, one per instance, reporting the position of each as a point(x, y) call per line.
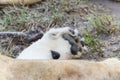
point(21, 36)
point(12, 34)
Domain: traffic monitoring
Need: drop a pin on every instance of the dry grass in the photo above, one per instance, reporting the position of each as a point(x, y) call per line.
point(105, 24)
point(55, 13)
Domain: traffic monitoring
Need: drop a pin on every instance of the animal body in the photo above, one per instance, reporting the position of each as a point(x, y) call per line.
point(14, 69)
point(57, 43)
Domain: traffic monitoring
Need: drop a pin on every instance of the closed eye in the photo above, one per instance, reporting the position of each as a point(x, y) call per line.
point(53, 34)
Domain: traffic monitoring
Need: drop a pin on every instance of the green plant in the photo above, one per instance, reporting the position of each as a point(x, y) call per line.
point(118, 55)
point(103, 24)
point(93, 43)
point(15, 16)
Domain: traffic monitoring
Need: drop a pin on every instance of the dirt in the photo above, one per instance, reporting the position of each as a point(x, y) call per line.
point(112, 5)
point(112, 43)
point(49, 13)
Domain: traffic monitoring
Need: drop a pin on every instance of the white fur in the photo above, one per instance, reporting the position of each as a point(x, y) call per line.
point(52, 40)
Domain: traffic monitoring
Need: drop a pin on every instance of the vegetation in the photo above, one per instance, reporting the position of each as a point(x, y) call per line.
point(57, 13)
point(104, 24)
point(7, 50)
point(92, 42)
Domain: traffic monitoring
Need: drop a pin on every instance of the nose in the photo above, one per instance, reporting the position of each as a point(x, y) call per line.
point(55, 55)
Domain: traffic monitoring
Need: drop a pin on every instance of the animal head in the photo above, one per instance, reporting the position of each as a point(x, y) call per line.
point(62, 41)
point(69, 38)
point(57, 43)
